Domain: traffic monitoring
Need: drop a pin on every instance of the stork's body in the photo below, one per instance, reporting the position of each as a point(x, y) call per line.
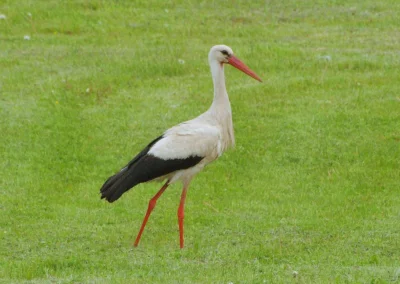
point(185, 149)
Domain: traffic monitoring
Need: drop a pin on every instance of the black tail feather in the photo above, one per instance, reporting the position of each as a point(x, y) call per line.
point(116, 185)
point(125, 179)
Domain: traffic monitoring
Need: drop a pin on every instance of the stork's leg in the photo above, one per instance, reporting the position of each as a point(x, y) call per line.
point(181, 214)
point(152, 204)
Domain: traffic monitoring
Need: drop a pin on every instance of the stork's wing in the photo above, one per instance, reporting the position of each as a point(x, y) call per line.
point(181, 147)
point(188, 140)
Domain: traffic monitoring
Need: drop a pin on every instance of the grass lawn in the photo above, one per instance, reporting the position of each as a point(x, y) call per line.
point(310, 194)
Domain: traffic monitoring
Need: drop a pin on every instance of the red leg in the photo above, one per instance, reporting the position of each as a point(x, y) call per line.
point(152, 204)
point(181, 215)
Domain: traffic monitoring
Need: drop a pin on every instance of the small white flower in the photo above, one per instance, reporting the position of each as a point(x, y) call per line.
point(325, 57)
point(295, 273)
point(87, 90)
point(3, 17)
point(26, 37)
point(181, 61)
point(29, 14)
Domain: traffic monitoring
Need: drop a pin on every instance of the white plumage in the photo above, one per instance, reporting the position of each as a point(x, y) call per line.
point(183, 150)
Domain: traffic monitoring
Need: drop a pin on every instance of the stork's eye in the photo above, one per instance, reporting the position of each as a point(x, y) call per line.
point(224, 52)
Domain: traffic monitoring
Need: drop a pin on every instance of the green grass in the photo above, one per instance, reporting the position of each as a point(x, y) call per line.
point(312, 186)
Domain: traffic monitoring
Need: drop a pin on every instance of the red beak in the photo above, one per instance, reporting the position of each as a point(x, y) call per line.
point(235, 62)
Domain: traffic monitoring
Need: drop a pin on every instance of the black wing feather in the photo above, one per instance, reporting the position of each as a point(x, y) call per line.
point(144, 167)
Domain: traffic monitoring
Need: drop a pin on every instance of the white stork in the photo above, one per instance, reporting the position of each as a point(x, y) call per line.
point(185, 149)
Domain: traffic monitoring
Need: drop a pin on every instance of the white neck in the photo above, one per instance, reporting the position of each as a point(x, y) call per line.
point(220, 109)
point(221, 99)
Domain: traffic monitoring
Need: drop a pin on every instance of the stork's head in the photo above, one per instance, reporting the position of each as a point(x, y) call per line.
point(221, 53)
point(224, 55)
